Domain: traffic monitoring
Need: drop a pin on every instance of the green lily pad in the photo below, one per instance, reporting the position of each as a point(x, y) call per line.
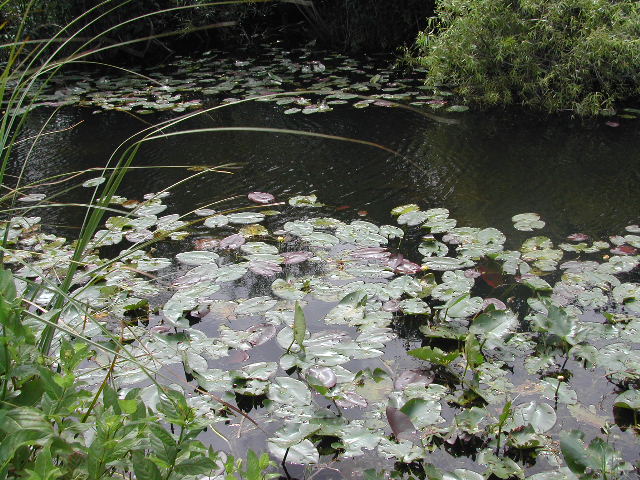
point(305, 201)
point(629, 399)
point(197, 257)
point(446, 263)
point(286, 290)
point(527, 222)
point(245, 217)
point(541, 416)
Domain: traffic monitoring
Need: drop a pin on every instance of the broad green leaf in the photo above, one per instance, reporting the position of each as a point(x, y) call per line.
point(541, 416)
point(629, 399)
point(197, 257)
point(527, 222)
point(245, 218)
point(195, 466)
point(286, 290)
point(575, 452)
point(422, 412)
point(299, 326)
point(434, 355)
point(303, 453)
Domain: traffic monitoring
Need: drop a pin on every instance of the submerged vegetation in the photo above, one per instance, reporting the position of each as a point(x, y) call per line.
point(582, 56)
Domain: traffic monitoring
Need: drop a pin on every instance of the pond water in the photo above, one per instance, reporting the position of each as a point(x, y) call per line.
point(483, 167)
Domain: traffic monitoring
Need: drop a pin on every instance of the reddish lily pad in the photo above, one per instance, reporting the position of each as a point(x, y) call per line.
point(206, 244)
point(267, 269)
point(261, 197)
point(291, 258)
point(232, 241)
point(624, 250)
point(578, 237)
point(399, 421)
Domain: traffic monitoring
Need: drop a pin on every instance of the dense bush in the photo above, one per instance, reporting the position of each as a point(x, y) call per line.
point(580, 55)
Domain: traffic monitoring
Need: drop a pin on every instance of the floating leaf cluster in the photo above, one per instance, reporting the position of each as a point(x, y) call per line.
point(295, 314)
point(297, 81)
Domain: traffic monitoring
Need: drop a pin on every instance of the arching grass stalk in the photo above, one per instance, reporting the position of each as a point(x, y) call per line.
point(25, 74)
point(30, 75)
point(130, 148)
point(39, 65)
point(100, 203)
point(97, 212)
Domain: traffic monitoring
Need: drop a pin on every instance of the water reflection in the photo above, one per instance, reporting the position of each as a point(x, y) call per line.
point(485, 169)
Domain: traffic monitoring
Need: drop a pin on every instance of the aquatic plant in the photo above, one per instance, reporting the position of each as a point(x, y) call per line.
point(475, 323)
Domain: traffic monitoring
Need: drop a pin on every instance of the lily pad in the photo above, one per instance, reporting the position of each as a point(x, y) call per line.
point(245, 217)
point(286, 290)
point(197, 257)
point(629, 399)
point(527, 222)
point(261, 197)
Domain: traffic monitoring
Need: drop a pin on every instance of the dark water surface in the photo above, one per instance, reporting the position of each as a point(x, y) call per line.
point(484, 169)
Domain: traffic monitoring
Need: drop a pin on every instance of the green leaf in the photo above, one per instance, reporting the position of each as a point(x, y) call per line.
point(13, 442)
point(254, 470)
point(472, 351)
point(527, 222)
point(110, 399)
point(461, 474)
point(195, 466)
point(402, 209)
point(353, 298)
point(434, 355)
point(541, 416)
point(144, 468)
point(198, 257)
point(162, 443)
point(501, 467)
point(422, 412)
point(556, 322)
point(629, 399)
point(7, 286)
point(299, 326)
point(44, 469)
point(286, 290)
point(304, 453)
point(575, 452)
point(494, 323)
point(245, 218)
point(505, 414)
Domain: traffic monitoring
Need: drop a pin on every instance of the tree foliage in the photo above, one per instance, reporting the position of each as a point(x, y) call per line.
point(580, 55)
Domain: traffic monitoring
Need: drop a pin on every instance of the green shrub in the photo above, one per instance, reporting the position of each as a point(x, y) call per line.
point(580, 55)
